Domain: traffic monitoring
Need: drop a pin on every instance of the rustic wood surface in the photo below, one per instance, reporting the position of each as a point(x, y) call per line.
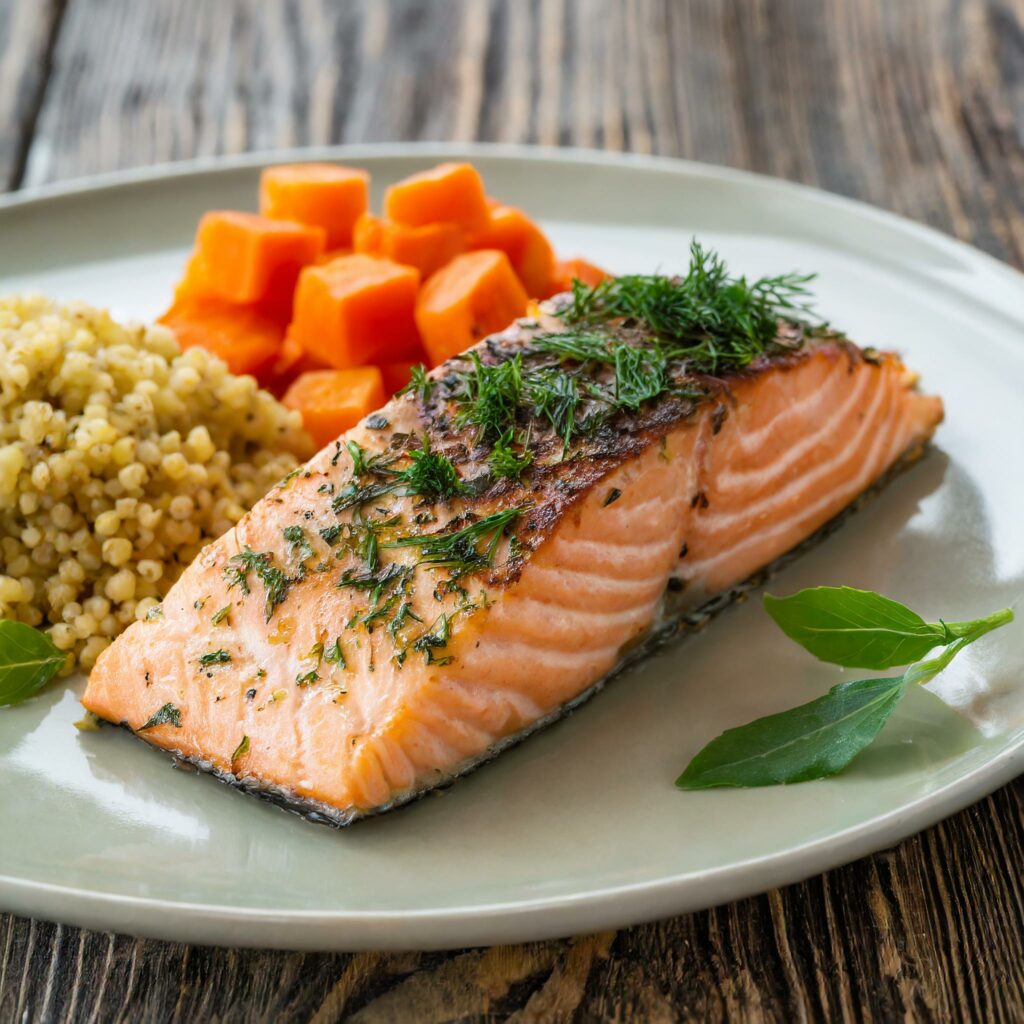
point(916, 105)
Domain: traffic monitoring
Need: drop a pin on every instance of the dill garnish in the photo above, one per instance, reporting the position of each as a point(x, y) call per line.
point(435, 638)
point(352, 495)
point(334, 654)
point(554, 396)
point(491, 396)
point(275, 582)
point(709, 318)
point(369, 465)
point(305, 678)
point(376, 582)
point(505, 462)
point(431, 475)
point(358, 453)
point(220, 657)
point(461, 549)
point(220, 615)
point(330, 534)
point(402, 615)
point(241, 750)
point(166, 715)
point(296, 537)
point(419, 383)
point(640, 375)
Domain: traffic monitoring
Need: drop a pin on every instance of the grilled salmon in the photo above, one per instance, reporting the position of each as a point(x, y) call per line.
point(491, 546)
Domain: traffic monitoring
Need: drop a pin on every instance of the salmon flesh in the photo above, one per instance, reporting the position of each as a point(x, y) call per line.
point(351, 645)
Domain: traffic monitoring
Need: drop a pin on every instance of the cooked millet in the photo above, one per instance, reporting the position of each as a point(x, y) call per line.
point(120, 457)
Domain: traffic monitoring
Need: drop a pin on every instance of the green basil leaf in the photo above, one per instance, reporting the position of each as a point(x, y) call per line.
point(855, 628)
point(28, 660)
point(811, 741)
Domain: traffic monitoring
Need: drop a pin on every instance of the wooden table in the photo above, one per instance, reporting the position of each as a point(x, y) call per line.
point(914, 105)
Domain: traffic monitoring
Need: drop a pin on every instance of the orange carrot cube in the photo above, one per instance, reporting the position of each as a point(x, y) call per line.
point(327, 196)
point(246, 258)
point(397, 375)
point(332, 401)
point(330, 255)
point(526, 246)
point(248, 341)
point(356, 310)
point(476, 294)
point(567, 271)
point(427, 248)
point(448, 193)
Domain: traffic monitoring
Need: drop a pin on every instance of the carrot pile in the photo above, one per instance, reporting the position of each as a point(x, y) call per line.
point(330, 305)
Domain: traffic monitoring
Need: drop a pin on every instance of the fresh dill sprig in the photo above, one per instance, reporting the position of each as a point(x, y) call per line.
point(297, 542)
point(582, 346)
point(469, 548)
point(376, 583)
point(334, 655)
point(419, 383)
point(330, 534)
point(275, 581)
point(431, 475)
point(433, 639)
point(220, 657)
point(403, 614)
point(505, 462)
point(554, 396)
point(711, 319)
point(352, 495)
point(369, 465)
point(641, 374)
point(358, 454)
point(491, 396)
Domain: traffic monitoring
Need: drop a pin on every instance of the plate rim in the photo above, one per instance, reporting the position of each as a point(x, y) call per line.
point(540, 917)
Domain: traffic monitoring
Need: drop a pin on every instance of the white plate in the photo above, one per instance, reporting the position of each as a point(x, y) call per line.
point(580, 828)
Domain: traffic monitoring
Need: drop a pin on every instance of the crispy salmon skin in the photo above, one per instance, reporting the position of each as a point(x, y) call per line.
point(489, 547)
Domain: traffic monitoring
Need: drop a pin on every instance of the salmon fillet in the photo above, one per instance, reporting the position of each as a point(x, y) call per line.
point(292, 659)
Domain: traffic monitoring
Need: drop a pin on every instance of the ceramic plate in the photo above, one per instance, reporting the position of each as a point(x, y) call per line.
point(579, 828)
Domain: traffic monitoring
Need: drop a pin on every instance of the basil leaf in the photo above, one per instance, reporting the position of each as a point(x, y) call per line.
point(811, 741)
point(855, 628)
point(28, 660)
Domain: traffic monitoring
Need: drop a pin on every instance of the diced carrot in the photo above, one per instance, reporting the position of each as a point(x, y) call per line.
point(356, 310)
point(566, 271)
point(247, 340)
point(476, 294)
point(427, 248)
point(333, 254)
point(397, 375)
point(327, 196)
point(292, 360)
point(193, 282)
point(332, 401)
point(526, 246)
point(448, 193)
point(246, 258)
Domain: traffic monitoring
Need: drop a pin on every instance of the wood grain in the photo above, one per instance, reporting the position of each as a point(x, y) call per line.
point(28, 32)
point(917, 106)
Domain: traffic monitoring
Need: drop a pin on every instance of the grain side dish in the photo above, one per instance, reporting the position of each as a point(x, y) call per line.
point(120, 457)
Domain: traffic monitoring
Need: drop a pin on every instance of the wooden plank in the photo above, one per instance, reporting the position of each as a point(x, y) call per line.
point(916, 106)
point(27, 34)
point(931, 930)
point(908, 105)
